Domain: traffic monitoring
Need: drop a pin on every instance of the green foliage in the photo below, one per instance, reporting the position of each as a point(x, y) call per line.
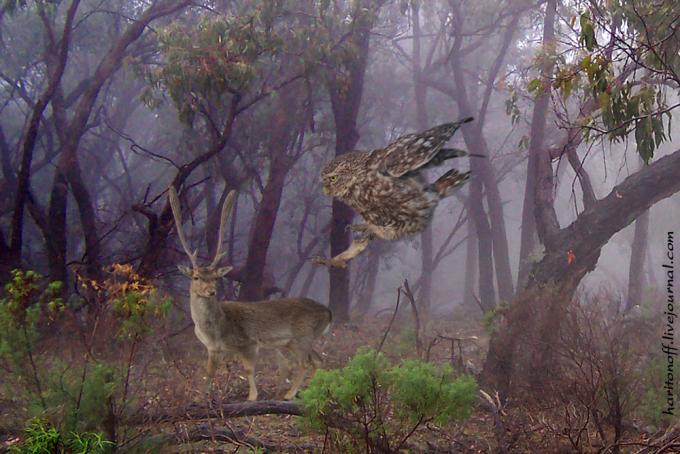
point(511, 108)
point(626, 106)
point(406, 341)
point(20, 313)
point(655, 399)
point(381, 403)
point(79, 399)
point(421, 390)
point(42, 438)
point(88, 442)
point(218, 56)
point(493, 317)
point(135, 301)
point(587, 38)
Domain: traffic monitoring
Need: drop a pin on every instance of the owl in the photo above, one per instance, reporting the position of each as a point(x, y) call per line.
point(387, 186)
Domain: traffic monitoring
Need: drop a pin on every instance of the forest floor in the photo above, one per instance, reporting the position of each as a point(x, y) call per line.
point(167, 385)
point(528, 426)
point(181, 382)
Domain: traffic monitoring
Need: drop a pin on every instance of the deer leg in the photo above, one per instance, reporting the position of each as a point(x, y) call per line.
point(211, 365)
point(282, 364)
point(301, 361)
point(248, 359)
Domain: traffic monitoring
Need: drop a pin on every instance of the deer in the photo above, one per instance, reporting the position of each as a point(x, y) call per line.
point(244, 328)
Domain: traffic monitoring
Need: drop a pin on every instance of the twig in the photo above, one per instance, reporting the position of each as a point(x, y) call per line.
point(394, 315)
point(416, 316)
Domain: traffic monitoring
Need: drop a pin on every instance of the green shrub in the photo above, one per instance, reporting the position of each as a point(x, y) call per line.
point(654, 401)
point(79, 399)
point(379, 405)
point(42, 438)
point(21, 312)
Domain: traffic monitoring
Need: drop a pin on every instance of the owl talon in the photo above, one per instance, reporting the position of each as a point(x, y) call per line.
point(329, 262)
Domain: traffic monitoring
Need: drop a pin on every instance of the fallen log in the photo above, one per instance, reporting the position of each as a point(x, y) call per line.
point(215, 410)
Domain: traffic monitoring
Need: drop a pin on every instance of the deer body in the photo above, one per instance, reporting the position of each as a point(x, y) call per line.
point(243, 328)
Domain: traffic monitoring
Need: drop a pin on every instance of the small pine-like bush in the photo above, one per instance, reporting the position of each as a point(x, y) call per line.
point(372, 404)
point(42, 438)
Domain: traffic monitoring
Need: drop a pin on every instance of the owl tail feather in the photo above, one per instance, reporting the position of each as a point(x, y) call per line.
point(447, 183)
point(449, 153)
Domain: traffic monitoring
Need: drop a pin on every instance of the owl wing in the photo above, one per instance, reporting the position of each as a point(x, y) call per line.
point(413, 151)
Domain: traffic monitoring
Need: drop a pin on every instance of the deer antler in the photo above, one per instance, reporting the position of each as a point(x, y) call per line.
point(177, 213)
point(226, 209)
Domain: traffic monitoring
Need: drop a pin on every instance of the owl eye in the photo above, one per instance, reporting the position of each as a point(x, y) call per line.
point(333, 178)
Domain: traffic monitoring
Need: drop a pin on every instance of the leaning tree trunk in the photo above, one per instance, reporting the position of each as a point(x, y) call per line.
point(574, 251)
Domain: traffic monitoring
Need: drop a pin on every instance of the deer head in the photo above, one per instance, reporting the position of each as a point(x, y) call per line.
point(203, 278)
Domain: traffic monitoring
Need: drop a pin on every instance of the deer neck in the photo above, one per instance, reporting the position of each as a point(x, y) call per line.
point(205, 311)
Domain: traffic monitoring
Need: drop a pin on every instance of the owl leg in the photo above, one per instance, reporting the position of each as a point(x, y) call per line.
point(340, 261)
point(363, 228)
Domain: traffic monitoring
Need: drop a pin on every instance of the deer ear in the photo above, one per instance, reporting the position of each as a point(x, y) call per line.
point(223, 271)
point(185, 270)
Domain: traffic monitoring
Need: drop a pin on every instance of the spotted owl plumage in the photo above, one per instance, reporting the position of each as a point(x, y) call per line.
point(386, 186)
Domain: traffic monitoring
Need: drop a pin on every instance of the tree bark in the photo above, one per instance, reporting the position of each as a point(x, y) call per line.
point(420, 95)
point(285, 131)
point(252, 288)
point(471, 263)
point(638, 253)
point(346, 88)
point(365, 298)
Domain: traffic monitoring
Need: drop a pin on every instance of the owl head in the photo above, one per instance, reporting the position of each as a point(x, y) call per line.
point(338, 175)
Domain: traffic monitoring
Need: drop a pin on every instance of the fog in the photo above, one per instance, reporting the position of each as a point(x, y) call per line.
point(105, 105)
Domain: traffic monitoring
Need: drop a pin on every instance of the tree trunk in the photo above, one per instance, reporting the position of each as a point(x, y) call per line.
point(263, 228)
point(471, 259)
point(88, 219)
point(420, 93)
point(346, 90)
point(284, 126)
point(482, 170)
point(638, 252)
point(56, 243)
point(487, 293)
point(365, 299)
point(528, 230)
point(56, 71)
